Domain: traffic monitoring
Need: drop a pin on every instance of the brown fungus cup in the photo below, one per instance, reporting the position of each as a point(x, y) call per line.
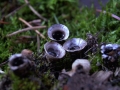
point(76, 47)
point(26, 53)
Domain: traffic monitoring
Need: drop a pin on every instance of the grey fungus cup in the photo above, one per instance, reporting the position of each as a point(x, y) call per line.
point(54, 50)
point(74, 44)
point(20, 65)
point(58, 32)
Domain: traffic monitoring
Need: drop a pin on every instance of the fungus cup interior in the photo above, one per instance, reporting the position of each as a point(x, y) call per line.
point(17, 61)
point(81, 64)
point(54, 50)
point(74, 44)
point(58, 35)
point(58, 32)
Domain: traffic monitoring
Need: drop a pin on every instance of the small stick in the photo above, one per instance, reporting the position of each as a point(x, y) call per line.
point(2, 22)
point(38, 33)
point(35, 21)
point(113, 15)
point(38, 44)
point(3, 63)
point(25, 29)
point(34, 11)
point(15, 11)
point(25, 22)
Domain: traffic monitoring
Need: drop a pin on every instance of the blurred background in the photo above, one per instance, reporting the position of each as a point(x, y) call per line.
point(97, 3)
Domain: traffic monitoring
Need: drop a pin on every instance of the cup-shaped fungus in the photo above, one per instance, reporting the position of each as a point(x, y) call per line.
point(79, 66)
point(110, 55)
point(84, 63)
point(58, 32)
point(19, 65)
point(54, 51)
point(76, 47)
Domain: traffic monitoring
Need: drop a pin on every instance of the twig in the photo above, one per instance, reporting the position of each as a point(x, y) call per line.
point(25, 29)
point(2, 22)
point(38, 33)
point(25, 22)
point(113, 15)
point(35, 21)
point(34, 11)
point(117, 71)
point(3, 63)
point(3, 9)
point(15, 11)
point(38, 44)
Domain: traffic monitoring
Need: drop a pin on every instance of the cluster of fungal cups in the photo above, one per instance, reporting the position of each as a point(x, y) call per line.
point(110, 55)
point(56, 49)
point(60, 45)
point(22, 64)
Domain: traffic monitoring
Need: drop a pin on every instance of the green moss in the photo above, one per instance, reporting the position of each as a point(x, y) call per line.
point(79, 21)
point(24, 83)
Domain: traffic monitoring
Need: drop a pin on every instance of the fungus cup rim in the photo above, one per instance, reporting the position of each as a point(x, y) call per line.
point(80, 41)
point(60, 48)
point(59, 27)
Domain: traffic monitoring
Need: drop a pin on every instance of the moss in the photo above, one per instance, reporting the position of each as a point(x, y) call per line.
point(79, 21)
point(24, 83)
